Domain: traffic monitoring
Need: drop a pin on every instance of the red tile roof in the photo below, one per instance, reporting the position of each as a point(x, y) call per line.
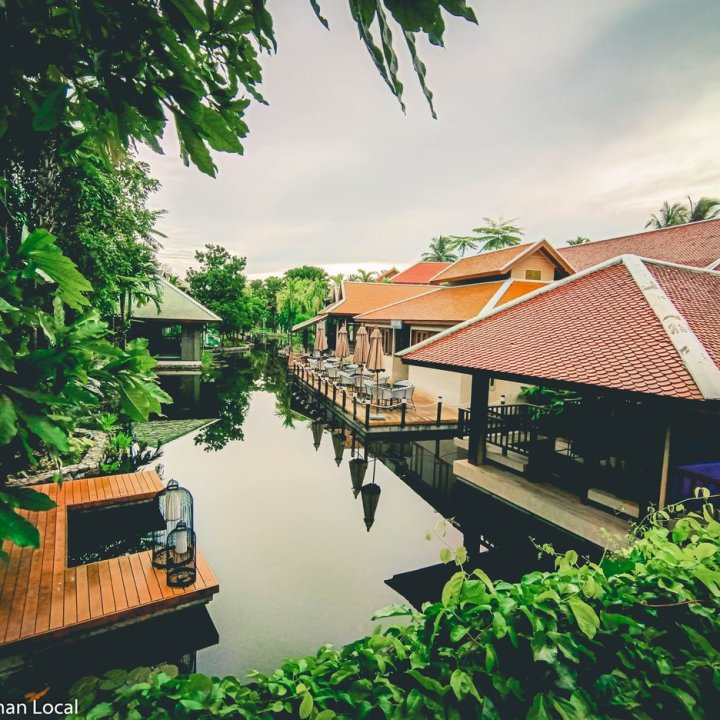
point(449, 305)
point(600, 328)
point(696, 244)
point(420, 272)
point(497, 262)
point(359, 297)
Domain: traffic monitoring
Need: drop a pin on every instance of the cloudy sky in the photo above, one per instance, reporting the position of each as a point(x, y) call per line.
point(578, 117)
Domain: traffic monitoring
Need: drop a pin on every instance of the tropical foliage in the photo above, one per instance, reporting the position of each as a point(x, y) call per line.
point(498, 234)
point(118, 71)
point(705, 208)
point(579, 240)
point(361, 275)
point(633, 636)
point(56, 367)
point(300, 300)
point(442, 249)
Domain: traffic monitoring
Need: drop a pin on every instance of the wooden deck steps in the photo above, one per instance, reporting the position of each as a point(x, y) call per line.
point(42, 599)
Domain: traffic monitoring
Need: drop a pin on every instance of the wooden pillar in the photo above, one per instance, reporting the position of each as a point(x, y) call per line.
point(477, 437)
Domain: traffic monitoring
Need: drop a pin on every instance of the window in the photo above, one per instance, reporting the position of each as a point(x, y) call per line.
point(386, 341)
point(420, 335)
point(171, 332)
point(533, 275)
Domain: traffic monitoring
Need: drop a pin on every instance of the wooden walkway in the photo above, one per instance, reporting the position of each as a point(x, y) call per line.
point(423, 412)
point(42, 599)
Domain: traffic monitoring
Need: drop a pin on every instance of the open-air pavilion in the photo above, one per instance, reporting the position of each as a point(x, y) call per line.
point(638, 343)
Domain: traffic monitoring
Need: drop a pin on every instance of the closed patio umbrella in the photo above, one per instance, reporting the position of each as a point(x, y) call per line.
point(376, 358)
point(338, 441)
point(362, 346)
point(321, 344)
point(342, 349)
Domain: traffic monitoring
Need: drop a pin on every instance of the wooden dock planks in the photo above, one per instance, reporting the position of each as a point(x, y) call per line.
point(42, 599)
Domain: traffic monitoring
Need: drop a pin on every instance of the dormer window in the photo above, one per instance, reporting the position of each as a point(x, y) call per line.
point(533, 275)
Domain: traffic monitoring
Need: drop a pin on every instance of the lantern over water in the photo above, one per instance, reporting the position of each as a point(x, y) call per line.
point(175, 504)
point(181, 565)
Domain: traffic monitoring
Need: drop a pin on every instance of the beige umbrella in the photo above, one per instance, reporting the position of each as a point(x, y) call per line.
point(320, 339)
point(362, 347)
point(342, 349)
point(375, 362)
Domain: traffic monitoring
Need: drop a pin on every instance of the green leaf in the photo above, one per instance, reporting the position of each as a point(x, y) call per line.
point(539, 709)
point(193, 13)
point(326, 715)
point(193, 146)
point(586, 617)
point(50, 433)
point(39, 248)
point(306, 706)
point(485, 578)
point(102, 710)
point(316, 9)
point(8, 420)
point(462, 685)
point(7, 357)
point(17, 529)
point(453, 588)
point(446, 555)
point(27, 499)
point(112, 679)
point(50, 112)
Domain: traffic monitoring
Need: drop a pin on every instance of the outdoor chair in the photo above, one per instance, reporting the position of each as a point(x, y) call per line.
point(346, 378)
point(332, 372)
point(404, 389)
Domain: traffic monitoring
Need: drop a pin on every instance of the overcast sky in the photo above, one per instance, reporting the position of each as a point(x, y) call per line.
point(578, 117)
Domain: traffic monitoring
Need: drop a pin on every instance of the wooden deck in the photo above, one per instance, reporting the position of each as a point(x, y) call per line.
point(553, 504)
point(42, 599)
point(422, 412)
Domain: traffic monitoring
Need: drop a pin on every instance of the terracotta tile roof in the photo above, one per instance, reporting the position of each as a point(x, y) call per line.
point(601, 328)
point(474, 266)
point(420, 272)
point(696, 244)
point(450, 305)
point(359, 297)
point(386, 274)
point(497, 262)
point(518, 288)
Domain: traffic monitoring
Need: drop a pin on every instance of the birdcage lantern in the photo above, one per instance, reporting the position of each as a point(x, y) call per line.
point(181, 568)
point(175, 504)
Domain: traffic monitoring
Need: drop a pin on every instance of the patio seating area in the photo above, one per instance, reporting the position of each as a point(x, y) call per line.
point(372, 398)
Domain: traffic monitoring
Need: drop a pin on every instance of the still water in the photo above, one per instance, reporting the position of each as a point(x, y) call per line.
point(279, 524)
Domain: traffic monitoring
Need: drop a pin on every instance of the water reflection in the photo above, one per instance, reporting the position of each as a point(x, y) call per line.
point(300, 561)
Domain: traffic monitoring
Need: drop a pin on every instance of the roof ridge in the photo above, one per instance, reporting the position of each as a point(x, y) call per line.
point(189, 297)
point(523, 298)
point(489, 252)
point(398, 302)
point(697, 361)
point(643, 232)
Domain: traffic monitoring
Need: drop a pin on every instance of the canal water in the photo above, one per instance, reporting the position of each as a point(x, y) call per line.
point(299, 561)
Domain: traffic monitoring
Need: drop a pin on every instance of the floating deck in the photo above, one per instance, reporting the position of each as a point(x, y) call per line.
point(43, 599)
point(425, 415)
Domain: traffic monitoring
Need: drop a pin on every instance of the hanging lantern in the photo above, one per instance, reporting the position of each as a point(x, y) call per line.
point(181, 570)
point(175, 504)
point(370, 497)
point(338, 441)
point(358, 468)
point(317, 431)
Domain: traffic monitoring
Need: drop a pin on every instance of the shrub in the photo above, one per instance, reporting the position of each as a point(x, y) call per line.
point(634, 636)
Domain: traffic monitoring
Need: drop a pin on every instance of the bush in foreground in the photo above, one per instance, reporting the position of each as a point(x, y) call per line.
point(634, 636)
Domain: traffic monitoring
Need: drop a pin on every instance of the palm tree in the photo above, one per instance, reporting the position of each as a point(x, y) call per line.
point(463, 243)
point(675, 214)
point(498, 234)
point(441, 250)
point(362, 276)
point(706, 208)
point(579, 240)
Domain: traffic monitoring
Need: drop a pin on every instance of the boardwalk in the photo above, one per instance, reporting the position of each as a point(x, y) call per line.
point(424, 412)
point(42, 599)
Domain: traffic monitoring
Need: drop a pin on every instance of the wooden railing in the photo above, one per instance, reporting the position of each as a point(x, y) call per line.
point(510, 427)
